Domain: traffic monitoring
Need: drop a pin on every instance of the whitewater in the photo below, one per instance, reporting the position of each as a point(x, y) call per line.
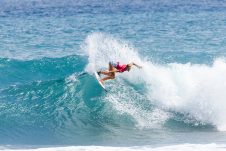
point(195, 90)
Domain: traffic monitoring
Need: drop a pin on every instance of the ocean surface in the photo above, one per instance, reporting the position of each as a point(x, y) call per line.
point(50, 100)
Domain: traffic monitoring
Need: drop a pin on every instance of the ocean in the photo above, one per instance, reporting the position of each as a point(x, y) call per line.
point(50, 99)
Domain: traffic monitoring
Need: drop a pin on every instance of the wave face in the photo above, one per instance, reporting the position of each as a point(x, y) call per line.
point(41, 106)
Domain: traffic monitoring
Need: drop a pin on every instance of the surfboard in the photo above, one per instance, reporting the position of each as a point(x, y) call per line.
point(98, 79)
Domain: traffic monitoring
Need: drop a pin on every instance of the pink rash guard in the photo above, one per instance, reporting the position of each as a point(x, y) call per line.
point(121, 68)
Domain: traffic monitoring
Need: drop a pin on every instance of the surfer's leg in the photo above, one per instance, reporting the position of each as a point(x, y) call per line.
point(110, 68)
point(106, 72)
point(106, 78)
point(111, 76)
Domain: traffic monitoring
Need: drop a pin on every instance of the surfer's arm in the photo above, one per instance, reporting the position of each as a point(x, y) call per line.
point(132, 63)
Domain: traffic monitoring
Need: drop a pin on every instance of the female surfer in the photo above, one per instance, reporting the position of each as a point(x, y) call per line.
point(116, 67)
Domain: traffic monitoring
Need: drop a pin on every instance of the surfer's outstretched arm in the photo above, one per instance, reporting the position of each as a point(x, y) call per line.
point(138, 66)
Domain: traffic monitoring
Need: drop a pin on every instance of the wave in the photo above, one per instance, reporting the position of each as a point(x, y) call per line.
point(71, 107)
point(23, 71)
point(74, 108)
point(194, 90)
point(47, 109)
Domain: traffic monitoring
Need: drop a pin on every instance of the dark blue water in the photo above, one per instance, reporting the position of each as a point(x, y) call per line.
point(49, 50)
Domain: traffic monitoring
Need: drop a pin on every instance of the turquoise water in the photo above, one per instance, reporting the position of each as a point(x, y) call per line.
point(49, 50)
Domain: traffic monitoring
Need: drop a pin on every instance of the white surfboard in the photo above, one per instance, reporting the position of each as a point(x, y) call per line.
point(98, 79)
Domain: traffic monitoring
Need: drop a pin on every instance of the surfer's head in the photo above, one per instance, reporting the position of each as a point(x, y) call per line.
point(128, 67)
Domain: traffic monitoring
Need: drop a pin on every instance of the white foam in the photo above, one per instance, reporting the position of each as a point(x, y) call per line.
point(184, 147)
point(152, 118)
point(102, 48)
point(197, 90)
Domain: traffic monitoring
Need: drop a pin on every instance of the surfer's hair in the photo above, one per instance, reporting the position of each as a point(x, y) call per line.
point(128, 66)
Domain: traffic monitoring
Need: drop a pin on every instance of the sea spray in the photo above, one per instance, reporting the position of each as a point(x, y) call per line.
point(102, 48)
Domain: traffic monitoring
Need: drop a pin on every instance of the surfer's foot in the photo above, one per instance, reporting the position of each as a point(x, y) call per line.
point(99, 72)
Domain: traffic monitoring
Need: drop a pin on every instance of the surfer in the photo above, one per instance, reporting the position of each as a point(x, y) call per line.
point(116, 67)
